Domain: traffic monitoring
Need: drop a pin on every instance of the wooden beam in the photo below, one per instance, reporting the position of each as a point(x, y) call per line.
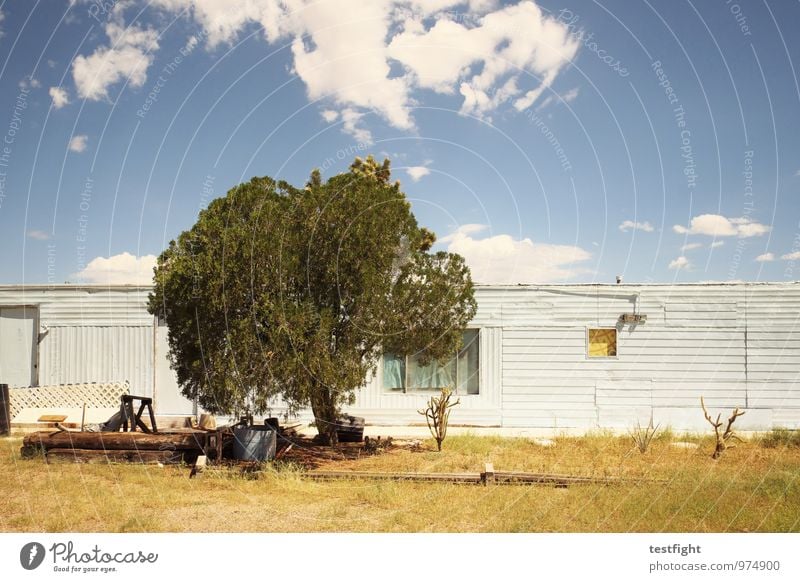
point(115, 440)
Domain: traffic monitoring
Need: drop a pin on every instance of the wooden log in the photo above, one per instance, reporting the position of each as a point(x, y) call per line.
point(115, 441)
point(119, 456)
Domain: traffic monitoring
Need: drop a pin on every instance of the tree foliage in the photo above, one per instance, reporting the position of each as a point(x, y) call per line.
point(296, 292)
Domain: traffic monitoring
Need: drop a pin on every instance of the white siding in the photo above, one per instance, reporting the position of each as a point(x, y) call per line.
point(90, 333)
point(734, 344)
point(74, 354)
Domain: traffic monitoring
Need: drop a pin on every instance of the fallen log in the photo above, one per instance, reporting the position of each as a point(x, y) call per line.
point(115, 441)
point(99, 456)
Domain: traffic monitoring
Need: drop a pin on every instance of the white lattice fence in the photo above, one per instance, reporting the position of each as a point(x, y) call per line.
point(94, 394)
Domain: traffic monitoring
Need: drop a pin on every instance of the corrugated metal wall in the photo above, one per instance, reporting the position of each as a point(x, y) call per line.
point(91, 334)
point(89, 353)
point(738, 345)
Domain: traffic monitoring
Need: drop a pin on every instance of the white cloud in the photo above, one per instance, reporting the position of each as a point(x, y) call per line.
point(716, 225)
point(119, 269)
point(631, 225)
point(78, 143)
point(680, 263)
point(567, 97)
point(791, 256)
point(765, 258)
point(717, 243)
point(690, 247)
point(797, 173)
point(29, 82)
point(330, 115)
point(489, 60)
point(38, 235)
point(59, 96)
point(346, 52)
point(503, 259)
point(128, 57)
point(351, 124)
point(2, 17)
point(417, 172)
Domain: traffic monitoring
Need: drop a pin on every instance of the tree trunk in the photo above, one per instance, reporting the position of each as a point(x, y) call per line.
point(325, 415)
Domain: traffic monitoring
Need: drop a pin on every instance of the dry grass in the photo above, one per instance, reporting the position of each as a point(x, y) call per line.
point(751, 488)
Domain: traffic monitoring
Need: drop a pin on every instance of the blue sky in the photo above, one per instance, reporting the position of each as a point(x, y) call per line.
point(546, 142)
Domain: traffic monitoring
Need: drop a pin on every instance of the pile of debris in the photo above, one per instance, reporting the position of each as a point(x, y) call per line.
point(133, 436)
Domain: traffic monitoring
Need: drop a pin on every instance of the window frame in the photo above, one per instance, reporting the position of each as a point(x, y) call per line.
point(587, 356)
point(404, 388)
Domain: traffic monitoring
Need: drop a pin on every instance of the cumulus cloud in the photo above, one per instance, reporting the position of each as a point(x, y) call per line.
point(716, 225)
point(330, 115)
point(765, 258)
point(352, 124)
point(417, 172)
point(794, 256)
point(502, 259)
point(128, 56)
point(59, 96)
point(631, 225)
point(486, 61)
point(78, 143)
point(38, 234)
point(679, 263)
point(119, 269)
point(690, 247)
point(374, 56)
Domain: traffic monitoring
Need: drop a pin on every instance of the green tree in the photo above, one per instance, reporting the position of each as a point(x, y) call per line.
point(296, 293)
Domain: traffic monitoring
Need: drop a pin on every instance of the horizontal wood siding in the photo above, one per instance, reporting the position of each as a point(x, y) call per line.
point(736, 345)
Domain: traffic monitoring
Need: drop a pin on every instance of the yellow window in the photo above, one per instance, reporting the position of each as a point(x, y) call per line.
point(602, 343)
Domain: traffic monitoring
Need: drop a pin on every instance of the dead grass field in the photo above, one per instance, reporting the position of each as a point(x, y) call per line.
point(755, 487)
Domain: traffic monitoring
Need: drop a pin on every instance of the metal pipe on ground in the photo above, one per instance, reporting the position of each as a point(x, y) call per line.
point(5, 421)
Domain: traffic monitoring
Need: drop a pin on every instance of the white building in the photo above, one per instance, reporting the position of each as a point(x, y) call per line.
point(69, 334)
point(539, 356)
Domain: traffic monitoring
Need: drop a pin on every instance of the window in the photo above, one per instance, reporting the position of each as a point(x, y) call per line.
point(406, 374)
point(602, 342)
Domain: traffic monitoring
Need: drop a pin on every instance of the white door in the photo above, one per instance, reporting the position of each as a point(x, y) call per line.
point(18, 346)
